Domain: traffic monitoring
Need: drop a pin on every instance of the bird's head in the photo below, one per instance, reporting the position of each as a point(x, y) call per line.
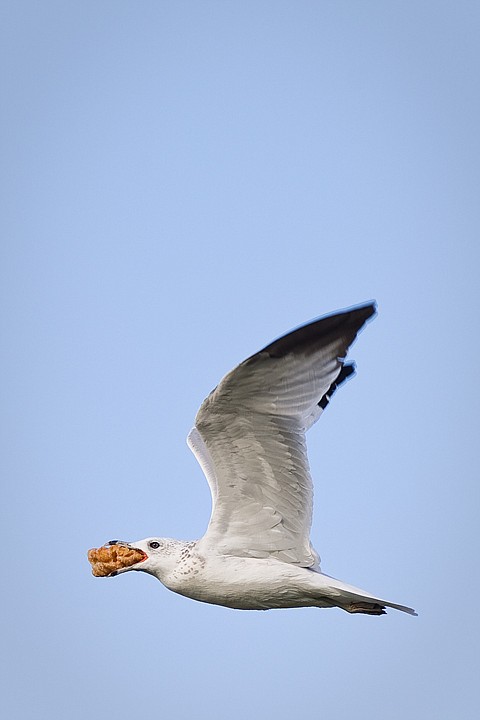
point(156, 556)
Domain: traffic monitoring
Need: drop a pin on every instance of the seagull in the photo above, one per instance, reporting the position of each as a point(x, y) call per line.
point(249, 439)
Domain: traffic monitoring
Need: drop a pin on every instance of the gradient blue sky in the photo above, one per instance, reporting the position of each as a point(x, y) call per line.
point(182, 182)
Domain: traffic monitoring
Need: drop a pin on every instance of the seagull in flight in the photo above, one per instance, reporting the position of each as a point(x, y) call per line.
point(249, 439)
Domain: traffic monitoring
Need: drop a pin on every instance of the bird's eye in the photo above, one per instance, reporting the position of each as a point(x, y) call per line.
point(154, 545)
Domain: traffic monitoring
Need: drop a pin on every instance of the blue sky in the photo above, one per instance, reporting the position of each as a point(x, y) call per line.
point(182, 182)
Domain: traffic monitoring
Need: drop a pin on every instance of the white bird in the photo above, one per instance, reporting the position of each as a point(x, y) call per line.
point(249, 439)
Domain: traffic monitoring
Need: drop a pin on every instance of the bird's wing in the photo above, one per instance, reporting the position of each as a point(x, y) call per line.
point(249, 439)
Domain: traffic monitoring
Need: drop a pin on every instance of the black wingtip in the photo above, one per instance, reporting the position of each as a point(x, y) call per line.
point(346, 323)
point(347, 371)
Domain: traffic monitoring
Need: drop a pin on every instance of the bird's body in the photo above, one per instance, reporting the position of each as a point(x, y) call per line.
point(249, 438)
point(246, 583)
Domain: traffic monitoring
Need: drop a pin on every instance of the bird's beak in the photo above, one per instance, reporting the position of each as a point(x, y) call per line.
point(130, 546)
point(115, 557)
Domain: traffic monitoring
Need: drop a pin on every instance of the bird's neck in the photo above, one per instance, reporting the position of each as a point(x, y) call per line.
point(175, 555)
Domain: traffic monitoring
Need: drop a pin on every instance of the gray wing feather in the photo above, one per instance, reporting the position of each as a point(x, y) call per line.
point(250, 440)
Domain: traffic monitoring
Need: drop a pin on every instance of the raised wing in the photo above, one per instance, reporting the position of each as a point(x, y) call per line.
point(250, 440)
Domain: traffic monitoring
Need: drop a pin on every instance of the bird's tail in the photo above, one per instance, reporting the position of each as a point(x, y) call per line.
point(354, 600)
